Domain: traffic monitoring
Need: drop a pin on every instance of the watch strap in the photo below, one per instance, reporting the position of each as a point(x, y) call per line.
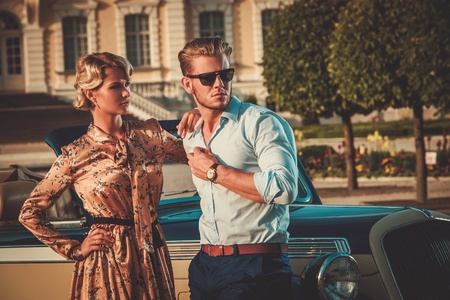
point(213, 168)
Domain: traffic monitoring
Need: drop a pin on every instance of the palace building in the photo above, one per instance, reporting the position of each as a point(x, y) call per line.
point(40, 41)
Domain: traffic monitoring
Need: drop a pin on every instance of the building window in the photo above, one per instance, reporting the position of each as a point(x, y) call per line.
point(75, 40)
point(8, 22)
point(137, 34)
point(212, 24)
point(10, 45)
point(13, 56)
point(266, 17)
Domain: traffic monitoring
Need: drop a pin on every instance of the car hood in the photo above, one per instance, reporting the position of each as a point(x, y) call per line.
point(179, 218)
point(352, 222)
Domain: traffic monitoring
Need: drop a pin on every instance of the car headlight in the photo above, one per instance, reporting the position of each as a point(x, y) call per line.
point(333, 276)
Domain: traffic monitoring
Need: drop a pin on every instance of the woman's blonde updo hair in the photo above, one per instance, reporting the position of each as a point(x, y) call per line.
point(90, 74)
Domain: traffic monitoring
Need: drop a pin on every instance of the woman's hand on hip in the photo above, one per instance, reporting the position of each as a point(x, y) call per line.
point(98, 239)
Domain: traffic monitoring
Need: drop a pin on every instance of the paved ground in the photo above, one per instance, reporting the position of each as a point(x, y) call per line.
point(23, 125)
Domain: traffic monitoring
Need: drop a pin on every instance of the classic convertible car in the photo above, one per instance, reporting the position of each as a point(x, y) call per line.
point(337, 252)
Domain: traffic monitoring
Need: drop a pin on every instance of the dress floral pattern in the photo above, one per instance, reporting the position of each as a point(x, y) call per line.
point(115, 178)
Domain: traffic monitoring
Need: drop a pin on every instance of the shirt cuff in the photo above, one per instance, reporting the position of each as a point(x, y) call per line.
point(266, 186)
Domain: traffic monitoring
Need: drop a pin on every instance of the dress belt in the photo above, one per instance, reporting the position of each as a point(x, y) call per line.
point(157, 239)
point(227, 250)
point(115, 221)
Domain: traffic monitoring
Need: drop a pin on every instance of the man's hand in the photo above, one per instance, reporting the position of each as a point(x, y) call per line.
point(200, 160)
point(188, 122)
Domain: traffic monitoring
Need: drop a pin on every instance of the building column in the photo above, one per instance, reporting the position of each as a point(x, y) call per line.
point(173, 36)
point(34, 62)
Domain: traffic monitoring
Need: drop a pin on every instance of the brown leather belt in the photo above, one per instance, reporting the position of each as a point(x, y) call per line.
point(227, 250)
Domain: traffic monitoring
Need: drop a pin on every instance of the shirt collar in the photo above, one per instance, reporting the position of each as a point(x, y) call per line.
point(231, 112)
point(101, 136)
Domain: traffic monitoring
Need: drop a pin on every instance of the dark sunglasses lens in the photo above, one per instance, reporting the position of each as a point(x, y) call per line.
point(208, 79)
point(226, 75)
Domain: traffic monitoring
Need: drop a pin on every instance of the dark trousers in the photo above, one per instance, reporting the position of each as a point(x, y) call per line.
point(240, 277)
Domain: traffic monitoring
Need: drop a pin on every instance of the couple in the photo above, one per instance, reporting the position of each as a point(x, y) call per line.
point(243, 161)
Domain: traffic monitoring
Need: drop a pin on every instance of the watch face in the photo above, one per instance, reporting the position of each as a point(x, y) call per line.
point(210, 174)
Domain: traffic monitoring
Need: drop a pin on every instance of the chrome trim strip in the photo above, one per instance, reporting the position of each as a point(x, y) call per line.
point(298, 247)
point(183, 250)
point(313, 247)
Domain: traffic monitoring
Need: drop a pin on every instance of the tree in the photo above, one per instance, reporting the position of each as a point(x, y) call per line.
point(394, 53)
point(295, 72)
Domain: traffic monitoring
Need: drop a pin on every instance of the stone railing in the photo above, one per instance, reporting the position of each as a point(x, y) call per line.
point(158, 90)
point(160, 100)
point(144, 108)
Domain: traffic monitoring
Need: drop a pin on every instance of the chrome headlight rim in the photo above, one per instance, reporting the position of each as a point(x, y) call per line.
point(329, 260)
point(316, 273)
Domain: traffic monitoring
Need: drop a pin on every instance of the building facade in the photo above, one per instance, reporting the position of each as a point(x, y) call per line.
point(40, 40)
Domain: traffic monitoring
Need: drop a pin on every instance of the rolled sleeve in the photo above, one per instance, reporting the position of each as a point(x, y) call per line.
point(276, 187)
point(277, 182)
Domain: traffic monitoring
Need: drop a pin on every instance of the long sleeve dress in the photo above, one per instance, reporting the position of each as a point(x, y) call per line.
point(115, 178)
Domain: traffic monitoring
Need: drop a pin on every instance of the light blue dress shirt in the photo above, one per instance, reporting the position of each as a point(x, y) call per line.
point(254, 139)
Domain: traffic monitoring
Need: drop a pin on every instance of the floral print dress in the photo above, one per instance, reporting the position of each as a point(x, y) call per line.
point(115, 179)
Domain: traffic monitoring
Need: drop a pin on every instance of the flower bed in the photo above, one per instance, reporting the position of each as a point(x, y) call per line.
point(323, 161)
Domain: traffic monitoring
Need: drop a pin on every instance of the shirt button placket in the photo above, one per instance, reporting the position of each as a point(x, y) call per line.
point(212, 214)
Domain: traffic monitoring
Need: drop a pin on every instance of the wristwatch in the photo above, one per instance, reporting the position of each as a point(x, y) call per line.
point(211, 174)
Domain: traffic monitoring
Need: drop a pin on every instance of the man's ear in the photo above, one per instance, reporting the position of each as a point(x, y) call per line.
point(187, 84)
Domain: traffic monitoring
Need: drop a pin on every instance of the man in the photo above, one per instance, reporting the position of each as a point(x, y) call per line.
point(243, 161)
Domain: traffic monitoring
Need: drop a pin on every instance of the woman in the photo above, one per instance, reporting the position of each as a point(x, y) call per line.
point(116, 169)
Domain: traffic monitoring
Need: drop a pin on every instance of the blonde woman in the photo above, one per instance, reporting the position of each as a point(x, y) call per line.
point(115, 168)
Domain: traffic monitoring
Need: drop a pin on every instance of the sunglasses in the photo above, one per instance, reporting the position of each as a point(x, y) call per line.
point(208, 79)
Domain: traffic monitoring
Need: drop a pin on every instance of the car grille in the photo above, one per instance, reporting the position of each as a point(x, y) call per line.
point(419, 257)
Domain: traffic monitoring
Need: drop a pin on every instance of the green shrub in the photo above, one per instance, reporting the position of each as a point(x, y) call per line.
point(310, 120)
point(376, 159)
point(250, 99)
point(443, 158)
point(337, 161)
point(316, 157)
point(406, 161)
